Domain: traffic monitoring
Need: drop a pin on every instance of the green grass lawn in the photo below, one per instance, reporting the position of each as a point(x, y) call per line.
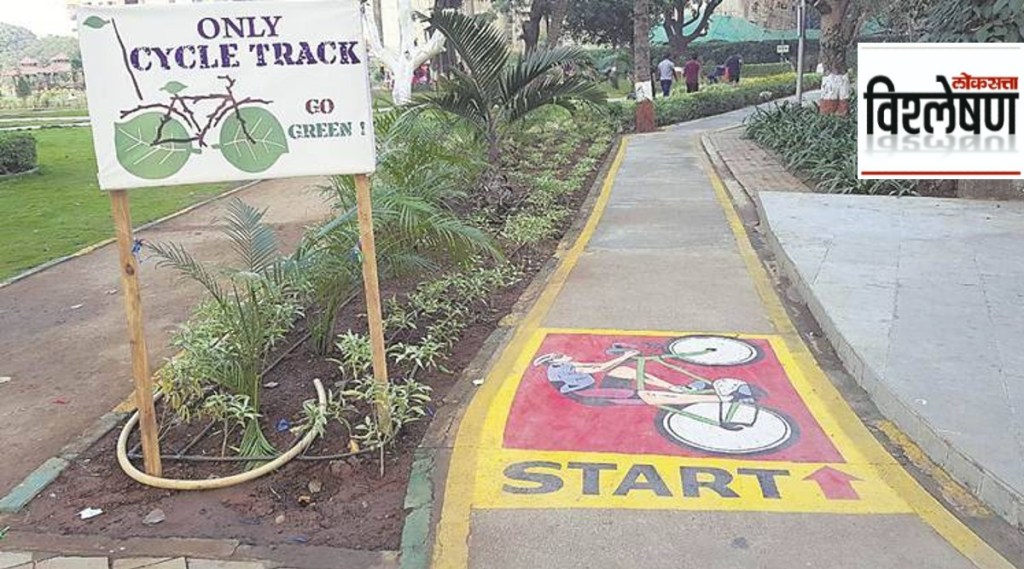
point(61, 209)
point(22, 125)
point(33, 113)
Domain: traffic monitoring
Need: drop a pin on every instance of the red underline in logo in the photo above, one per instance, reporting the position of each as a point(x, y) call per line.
point(940, 173)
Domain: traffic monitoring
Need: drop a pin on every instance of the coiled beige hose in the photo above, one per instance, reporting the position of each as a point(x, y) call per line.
point(213, 483)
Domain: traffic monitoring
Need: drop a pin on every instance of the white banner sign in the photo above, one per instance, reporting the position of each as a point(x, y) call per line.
point(227, 91)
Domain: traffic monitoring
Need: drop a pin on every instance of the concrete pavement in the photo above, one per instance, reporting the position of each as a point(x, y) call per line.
point(923, 299)
point(606, 434)
point(63, 335)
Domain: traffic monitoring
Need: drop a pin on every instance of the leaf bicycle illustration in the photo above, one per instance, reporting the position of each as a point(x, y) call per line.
point(721, 416)
point(156, 139)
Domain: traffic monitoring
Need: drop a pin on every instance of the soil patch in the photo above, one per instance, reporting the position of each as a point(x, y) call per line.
point(342, 502)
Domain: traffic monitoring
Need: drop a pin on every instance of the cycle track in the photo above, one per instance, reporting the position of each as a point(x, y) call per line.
point(543, 476)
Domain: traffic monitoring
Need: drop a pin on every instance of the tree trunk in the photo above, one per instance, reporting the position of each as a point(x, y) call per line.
point(378, 19)
point(559, 8)
point(445, 61)
point(840, 22)
point(642, 87)
point(677, 46)
point(510, 28)
point(402, 72)
point(404, 60)
point(531, 27)
point(675, 21)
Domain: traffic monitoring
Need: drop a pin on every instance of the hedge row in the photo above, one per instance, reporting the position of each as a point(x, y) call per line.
point(714, 99)
point(17, 154)
point(755, 51)
point(765, 69)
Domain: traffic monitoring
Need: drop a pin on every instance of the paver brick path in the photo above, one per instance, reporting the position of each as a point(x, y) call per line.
point(755, 165)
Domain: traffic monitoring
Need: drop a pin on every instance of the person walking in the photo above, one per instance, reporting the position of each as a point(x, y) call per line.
point(691, 73)
point(667, 74)
point(732, 67)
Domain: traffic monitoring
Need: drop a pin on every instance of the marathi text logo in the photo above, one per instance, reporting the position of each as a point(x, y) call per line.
point(970, 104)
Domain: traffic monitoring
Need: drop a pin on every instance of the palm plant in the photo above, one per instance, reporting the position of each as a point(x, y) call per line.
point(614, 66)
point(420, 177)
point(251, 306)
point(494, 91)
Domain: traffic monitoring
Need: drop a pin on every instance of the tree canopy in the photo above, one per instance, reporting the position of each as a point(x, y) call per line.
point(610, 22)
point(975, 20)
point(14, 40)
point(17, 43)
point(601, 22)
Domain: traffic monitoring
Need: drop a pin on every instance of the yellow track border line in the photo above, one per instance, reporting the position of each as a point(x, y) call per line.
point(451, 545)
point(958, 535)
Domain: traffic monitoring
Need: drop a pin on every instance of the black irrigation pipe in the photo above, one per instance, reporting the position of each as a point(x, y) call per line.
point(181, 456)
point(195, 439)
point(159, 437)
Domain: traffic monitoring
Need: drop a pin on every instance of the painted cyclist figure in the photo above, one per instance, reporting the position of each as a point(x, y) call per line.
point(619, 386)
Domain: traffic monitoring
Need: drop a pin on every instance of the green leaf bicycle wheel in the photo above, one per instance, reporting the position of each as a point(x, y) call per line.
point(252, 139)
point(140, 153)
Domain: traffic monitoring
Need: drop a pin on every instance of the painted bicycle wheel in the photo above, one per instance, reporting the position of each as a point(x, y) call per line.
point(252, 139)
point(751, 430)
point(714, 350)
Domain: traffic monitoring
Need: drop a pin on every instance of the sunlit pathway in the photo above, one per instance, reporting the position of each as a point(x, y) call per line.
point(657, 409)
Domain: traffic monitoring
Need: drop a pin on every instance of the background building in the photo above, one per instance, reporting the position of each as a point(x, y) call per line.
point(773, 14)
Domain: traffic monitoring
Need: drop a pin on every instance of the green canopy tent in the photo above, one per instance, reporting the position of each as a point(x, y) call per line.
point(731, 29)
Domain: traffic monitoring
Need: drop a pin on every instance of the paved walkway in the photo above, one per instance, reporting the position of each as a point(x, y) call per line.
point(91, 552)
point(756, 164)
point(63, 336)
point(656, 408)
point(924, 299)
point(897, 285)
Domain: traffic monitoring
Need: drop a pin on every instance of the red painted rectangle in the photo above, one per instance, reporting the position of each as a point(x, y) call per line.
point(575, 397)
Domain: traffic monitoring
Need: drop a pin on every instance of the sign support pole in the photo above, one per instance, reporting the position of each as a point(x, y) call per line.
point(136, 335)
point(373, 311)
point(801, 14)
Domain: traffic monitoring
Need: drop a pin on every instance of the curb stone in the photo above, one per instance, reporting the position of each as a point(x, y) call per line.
point(6, 177)
point(223, 553)
point(37, 481)
point(1003, 499)
point(419, 501)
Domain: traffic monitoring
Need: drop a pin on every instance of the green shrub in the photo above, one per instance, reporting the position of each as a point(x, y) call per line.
point(717, 99)
point(820, 147)
point(17, 153)
point(527, 228)
point(753, 51)
point(765, 69)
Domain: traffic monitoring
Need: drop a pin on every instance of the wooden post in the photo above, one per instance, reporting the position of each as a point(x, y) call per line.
point(136, 336)
point(373, 313)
